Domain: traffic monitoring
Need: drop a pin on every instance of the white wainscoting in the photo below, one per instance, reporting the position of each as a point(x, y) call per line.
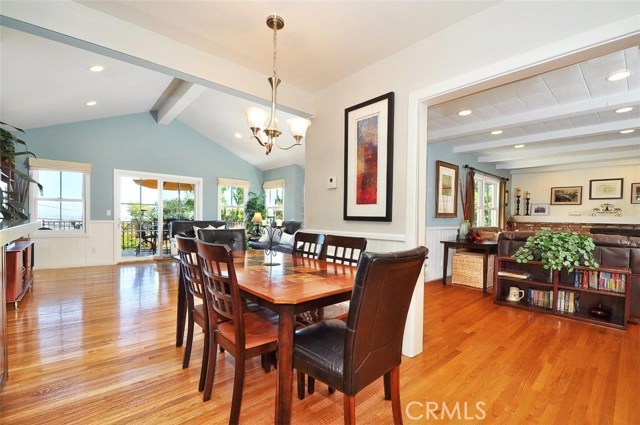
point(433, 237)
point(93, 249)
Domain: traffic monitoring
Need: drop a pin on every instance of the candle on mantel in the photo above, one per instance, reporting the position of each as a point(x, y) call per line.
point(518, 193)
point(527, 194)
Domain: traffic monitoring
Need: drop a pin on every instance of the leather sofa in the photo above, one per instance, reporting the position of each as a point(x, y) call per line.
point(611, 250)
point(288, 227)
point(236, 239)
point(185, 227)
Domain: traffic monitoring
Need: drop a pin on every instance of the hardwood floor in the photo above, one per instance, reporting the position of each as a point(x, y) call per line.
point(97, 346)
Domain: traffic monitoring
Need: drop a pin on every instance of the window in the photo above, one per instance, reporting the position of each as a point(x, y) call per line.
point(274, 198)
point(486, 196)
point(231, 200)
point(62, 205)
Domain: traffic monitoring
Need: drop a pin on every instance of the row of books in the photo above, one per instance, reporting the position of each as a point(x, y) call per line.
point(568, 301)
point(593, 279)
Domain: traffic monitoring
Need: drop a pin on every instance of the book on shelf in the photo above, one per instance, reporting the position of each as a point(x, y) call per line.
point(604, 281)
point(540, 298)
point(514, 275)
point(568, 301)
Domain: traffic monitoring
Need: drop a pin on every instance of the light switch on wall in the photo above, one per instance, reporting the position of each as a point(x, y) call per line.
point(332, 183)
point(108, 213)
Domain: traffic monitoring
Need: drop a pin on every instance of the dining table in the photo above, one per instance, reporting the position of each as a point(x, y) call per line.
point(290, 285)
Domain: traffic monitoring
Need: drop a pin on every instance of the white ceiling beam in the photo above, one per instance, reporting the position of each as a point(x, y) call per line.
point(634, 153)
point(560, 149)
point(590, 130)
point(179, 100)
point(590, 106)
point(578, 166)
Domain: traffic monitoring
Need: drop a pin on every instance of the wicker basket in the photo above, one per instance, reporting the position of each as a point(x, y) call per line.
point(467, 269)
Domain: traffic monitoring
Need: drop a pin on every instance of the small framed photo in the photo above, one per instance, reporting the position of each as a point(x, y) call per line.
point(568, 195)
point(539, 209)
point(605, 189)
point(635, 193)
point(446, 190)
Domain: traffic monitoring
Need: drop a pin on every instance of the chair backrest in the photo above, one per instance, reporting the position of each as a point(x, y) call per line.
point(188, 254)
point(221, 284)
point(378, 311)
point(236, 239)
point(343, 249)
point(307, 244)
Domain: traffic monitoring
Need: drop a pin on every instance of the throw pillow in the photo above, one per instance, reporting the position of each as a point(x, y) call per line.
point(196, 228)
point(286, 239)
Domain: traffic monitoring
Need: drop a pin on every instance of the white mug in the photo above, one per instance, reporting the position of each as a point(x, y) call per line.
point(515, 294)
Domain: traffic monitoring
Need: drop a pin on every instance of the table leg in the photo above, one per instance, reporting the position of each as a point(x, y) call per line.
point(182, 309)
point(445, 261)
point(284, 383)
point(485, 263)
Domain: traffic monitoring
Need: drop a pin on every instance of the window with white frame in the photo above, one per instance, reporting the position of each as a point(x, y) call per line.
point(231, 201)
point(63, 203)
point(274, 198)
point(486, 197)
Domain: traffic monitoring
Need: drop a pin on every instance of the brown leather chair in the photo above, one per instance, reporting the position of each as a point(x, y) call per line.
point(308, 245)
point(350, 356)
point(196, 313)
point(236, 239)
point(244, 334)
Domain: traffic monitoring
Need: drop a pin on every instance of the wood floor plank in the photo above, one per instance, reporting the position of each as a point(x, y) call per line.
point(97, 346)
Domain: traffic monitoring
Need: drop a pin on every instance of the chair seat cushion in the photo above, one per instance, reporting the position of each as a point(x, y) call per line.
point(319, 351)
point(258, 330)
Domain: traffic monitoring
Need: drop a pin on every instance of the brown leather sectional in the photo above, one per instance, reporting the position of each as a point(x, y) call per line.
point(611, 250)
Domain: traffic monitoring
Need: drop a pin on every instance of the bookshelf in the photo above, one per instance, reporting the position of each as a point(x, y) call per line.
point(564, 294)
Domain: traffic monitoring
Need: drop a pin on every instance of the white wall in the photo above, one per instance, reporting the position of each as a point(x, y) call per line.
point(540, 184)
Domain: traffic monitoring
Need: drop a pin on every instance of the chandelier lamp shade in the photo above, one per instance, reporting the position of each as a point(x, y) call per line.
point(264, 126)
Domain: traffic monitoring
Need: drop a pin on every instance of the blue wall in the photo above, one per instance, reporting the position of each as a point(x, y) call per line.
point(138, 143)
point(293, 189)
point(443, 151)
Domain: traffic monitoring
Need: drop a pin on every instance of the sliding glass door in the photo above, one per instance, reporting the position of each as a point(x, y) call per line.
point(146, 203)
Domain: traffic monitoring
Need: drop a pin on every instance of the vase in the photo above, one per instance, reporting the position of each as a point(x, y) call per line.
point(463, 230)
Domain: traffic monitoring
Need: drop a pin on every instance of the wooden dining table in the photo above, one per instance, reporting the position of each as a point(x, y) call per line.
point(289, 285)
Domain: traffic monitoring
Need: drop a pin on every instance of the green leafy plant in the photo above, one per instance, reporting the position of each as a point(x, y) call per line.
point(15, 188)
point(558, 250)
point(254, 204)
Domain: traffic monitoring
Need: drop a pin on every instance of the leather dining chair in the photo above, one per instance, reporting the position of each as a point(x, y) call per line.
point(244, 334)
point(350, 356)
point(196, 313)
point(308, 245)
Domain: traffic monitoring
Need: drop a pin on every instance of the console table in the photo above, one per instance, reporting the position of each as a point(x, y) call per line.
point(487, 248)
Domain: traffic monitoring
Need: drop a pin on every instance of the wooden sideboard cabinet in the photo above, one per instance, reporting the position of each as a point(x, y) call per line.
point(19, 270)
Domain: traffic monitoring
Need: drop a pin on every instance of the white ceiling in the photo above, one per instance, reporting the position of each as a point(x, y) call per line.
point(564, 117)
point(45, 82)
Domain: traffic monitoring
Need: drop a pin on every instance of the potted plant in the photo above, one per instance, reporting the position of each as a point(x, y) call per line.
point(557, 250)
point(15, 189)
point(254, 204)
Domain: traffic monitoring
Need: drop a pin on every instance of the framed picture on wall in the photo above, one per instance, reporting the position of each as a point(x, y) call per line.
point(605, 189)
point(446, 190)
point(568, 195)
point(539, 209)
point(635, 193)
point(368, 159)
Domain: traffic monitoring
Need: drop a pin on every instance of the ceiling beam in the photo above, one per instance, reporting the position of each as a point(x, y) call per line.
point(560, 149)
point(179, 100)
point(578, 166)
point(634, 153)
point(590, 130)
point(590, 106)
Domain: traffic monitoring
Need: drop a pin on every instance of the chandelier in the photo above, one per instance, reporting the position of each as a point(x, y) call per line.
point(267, 133)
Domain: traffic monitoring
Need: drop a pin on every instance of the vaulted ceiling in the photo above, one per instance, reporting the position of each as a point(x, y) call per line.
point(562, 117)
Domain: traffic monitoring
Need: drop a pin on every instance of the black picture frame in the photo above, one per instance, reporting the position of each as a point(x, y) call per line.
point(368, 159)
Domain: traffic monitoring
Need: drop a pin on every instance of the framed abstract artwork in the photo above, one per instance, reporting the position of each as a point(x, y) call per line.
point(605, 189)
point(368, 159)
point(446, 190)
point(568, 195)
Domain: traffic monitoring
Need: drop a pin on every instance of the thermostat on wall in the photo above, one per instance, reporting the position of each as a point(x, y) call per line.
point(332, 183)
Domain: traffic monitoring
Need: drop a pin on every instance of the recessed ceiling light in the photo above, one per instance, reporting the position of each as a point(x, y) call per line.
point(619, 75)
point(496, 132)
point(464, 112)
point(631, 130)
point(625, 109)
point(91, 103)
point(238, 136)
point(96, 68)
point(519, 146)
